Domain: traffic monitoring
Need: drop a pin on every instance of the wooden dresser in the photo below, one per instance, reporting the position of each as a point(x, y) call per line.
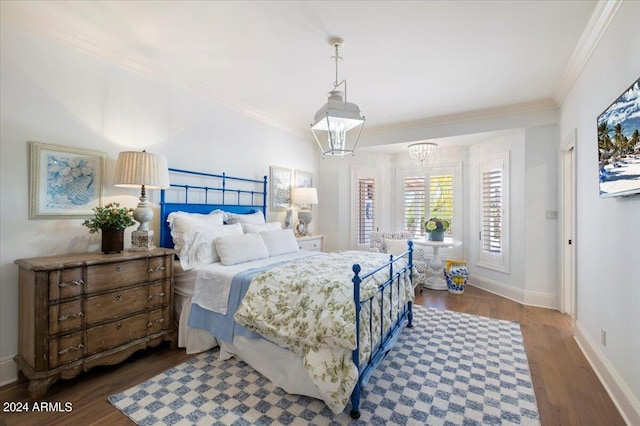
point(79, 311)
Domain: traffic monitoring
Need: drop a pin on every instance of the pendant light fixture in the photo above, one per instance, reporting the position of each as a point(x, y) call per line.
point(337, 122)
point(422, 150)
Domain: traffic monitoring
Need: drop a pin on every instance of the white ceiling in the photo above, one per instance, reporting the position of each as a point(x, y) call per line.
point(404, 60)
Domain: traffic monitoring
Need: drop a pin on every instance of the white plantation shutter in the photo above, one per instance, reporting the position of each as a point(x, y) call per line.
point(426, 197)
point(441, 198)
point(493, 221)
point(365, 217)
point(492, 211)
point(414, 204)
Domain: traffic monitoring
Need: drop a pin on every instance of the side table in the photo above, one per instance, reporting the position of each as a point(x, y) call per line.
point(436, 281)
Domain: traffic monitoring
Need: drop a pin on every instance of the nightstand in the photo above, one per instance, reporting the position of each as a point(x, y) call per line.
point(311, 242)
point(79, 311)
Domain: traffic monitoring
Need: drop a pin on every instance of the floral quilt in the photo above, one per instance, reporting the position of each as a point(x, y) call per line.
point(307, 306)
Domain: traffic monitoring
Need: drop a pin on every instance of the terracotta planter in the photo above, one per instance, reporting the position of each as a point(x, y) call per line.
point(112, 240)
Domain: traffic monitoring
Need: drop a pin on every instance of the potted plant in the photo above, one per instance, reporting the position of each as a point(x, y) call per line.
point(436, 228)
point(111, 220)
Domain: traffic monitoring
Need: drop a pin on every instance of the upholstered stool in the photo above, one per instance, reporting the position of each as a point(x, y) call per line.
point(456, 275)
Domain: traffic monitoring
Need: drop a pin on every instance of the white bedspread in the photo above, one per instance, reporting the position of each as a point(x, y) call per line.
point(308, 307)
point(213, 282)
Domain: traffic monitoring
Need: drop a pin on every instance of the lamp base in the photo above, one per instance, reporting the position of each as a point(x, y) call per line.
point(142, 240)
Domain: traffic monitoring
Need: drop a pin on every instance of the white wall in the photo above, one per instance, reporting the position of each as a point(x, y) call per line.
point(56, 94)
point(608, 229)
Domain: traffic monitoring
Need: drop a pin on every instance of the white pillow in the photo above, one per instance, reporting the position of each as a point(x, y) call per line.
point(241, 248)
point(256, 218)
point(249, 228)
point(201, 249)
point(181, 222)
point(396, 247)
point(280, 241)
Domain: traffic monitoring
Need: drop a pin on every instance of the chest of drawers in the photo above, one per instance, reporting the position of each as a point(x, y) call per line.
point(79, 311)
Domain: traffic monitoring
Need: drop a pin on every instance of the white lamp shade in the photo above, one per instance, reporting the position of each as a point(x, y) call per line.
point(135, 168)
point(305, 196)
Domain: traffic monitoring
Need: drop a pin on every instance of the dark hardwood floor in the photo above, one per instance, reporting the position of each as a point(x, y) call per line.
point(567, 390)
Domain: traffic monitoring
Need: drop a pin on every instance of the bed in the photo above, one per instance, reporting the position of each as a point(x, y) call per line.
point(314, 324)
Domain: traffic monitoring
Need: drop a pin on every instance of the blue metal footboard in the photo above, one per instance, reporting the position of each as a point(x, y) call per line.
point(389, 338)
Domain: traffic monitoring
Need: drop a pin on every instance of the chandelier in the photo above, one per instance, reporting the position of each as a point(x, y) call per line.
point(337, 117)
point(422, 150)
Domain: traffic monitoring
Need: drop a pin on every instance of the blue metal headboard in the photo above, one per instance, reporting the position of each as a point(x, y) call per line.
point(231, 194)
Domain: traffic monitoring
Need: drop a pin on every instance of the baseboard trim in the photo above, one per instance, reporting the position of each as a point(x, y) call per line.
point(529, 298)
point(617, 389)
point(8, 371)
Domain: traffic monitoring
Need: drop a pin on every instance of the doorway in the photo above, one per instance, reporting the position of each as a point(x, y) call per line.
point(568, 249)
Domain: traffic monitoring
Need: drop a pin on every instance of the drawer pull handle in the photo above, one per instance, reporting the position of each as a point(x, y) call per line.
point(68, 283)
point(66, 317)
point(151, 296)
point(159, 268)
point(72, 348)
point(158, 321)
point(118, 297)
point(118, 268)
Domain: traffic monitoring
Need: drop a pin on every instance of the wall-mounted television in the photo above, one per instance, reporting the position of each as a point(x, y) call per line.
point(619, 145)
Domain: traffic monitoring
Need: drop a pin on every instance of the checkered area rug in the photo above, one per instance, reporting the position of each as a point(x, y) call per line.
point(450, 369)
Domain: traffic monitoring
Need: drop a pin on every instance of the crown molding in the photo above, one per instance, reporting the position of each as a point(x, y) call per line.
point(463, 117)
point(50, 29)
point(597, 26)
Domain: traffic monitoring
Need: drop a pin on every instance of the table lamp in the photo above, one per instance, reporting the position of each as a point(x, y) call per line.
point(305, 197)
point(149, 171)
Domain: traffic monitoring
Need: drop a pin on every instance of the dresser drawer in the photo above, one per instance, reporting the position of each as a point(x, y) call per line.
point(116, 304)
point(158, 320)
point(158, 268)
point(65, 349)
point(65, 317)
point(117, 333)
point(65, 283)
point(311, 244)
point(114, 275)
point(159, 294)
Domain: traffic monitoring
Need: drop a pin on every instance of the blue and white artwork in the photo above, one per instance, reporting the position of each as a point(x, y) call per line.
point(619, 145)
point(65, 182)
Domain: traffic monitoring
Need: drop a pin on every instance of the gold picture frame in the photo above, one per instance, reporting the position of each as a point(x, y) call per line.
point(64, 182)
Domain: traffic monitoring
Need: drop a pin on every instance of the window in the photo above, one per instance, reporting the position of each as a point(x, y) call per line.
point(428, 195)
point(493, 210)
point(366, 209)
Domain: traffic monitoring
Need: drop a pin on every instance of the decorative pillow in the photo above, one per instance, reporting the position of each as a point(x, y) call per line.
point(200, 248)
point(249, 228)
point(241, 248)
point(255, 218)
point(280, 241)
point(396, 247)
point(181, 222)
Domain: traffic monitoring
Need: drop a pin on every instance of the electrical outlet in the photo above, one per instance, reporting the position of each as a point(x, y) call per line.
point(603, 337)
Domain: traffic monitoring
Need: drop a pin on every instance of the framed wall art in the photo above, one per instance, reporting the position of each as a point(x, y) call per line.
point(280, 188)
point(303, 179)
point(64, 182)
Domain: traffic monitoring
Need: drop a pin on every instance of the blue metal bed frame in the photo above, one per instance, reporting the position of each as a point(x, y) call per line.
point(223, 192)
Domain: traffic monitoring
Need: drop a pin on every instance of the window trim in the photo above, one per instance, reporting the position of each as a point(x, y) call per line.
point(497, 262)
point(358, 173)
point(455, 169)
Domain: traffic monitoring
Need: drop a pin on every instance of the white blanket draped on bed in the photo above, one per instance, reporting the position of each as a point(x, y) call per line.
point(307, 306)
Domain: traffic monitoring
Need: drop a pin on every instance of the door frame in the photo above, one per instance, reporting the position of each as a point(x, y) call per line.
point(568, 241)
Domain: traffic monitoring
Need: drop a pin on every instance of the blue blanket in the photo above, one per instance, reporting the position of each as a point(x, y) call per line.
point(221, 326)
